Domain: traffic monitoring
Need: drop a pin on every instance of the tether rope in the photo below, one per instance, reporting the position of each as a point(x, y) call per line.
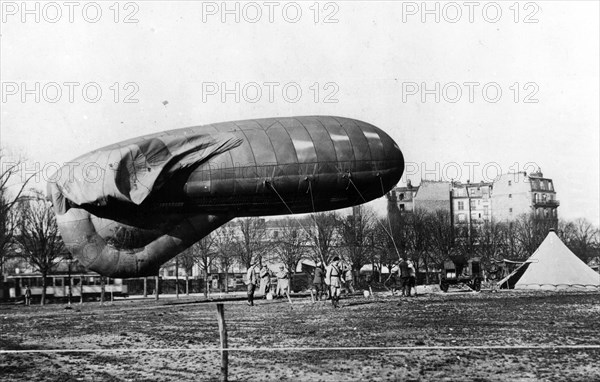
point(292, 212)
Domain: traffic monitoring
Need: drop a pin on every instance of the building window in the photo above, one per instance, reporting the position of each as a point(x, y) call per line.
point(510, 210)
point(461, 206)
point(485, 210)
point(402, 207)
point(510, 183)
point(510, 196)
point(461, 217)
point(402, 196)
point(550, 187)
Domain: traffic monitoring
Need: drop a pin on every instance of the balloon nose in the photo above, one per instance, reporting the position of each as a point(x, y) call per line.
point(395, 168)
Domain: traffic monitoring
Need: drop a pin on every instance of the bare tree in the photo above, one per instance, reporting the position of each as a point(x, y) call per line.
point(322, 235)
point(490, 238)
point(511, 248)
point(204, 252)
point(39, 238)
point(187, 261)
point(9, 178)
point(356, 237)
point(427, 237)
point(531, 231)
point(290, 245)
point(581, 237)
point(389, 237)
point(228, 247)
point(252, 240)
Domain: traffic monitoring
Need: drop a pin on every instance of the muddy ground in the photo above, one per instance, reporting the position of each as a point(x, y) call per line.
point(503, 336)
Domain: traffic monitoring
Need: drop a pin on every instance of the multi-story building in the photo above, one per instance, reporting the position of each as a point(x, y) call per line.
point(471, 202)
point(520, 193)
point(433, 196)
point(404, 197)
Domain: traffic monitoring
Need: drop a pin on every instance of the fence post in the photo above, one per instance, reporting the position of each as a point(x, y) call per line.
point(223, 335)
point(102, 290)
point(156, 286)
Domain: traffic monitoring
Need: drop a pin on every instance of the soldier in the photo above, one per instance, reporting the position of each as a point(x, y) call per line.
point(282, 282)
point(318, 281)
point(265, 281)
point(335, 278)
point(252, 281)
point(412, 278)
point(404, 273)
point(348, 278)
point(27, 296)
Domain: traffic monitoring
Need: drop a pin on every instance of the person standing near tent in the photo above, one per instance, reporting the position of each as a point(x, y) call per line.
point(252, 281)
point(265, 280)
point(335, 278)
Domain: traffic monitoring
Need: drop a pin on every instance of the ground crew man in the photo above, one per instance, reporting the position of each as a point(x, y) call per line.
point(283, 282)
point(335, 278)
point(318, 281)
point(412, 278)
point(404, 273)
point(265, 281)
point(27, 296)
point(348, 278)
point(252, 281)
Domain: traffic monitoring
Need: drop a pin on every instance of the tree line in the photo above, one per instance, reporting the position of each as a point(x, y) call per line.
point(28, 231)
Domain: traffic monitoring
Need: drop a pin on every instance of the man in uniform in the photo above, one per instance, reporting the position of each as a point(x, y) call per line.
point(318, 281)
point(252, 281)
point(412, 278)
point(404, 273)
point(265, 281)
point(283, 282)
point(348, 278)
point(335, 278)
point(27, 296)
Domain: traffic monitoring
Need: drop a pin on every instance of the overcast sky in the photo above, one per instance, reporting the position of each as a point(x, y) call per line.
point(516, 85)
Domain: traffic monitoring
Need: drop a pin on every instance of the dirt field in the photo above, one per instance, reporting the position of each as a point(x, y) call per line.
point(504, 336)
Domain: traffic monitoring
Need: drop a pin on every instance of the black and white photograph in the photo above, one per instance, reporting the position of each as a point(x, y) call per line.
point(300, 190)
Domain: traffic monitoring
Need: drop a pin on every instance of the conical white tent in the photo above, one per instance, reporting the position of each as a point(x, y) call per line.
point(552, 266)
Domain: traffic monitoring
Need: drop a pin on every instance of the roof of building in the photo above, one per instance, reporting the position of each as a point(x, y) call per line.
point(433, 190)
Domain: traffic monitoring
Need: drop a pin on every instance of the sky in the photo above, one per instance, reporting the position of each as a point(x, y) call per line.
point(467, 91)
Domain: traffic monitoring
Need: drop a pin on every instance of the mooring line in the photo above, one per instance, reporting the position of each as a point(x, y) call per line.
point(276, 349)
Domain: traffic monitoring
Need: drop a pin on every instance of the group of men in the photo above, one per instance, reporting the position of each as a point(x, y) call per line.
point(407, 272)
point(328, 282)
point(261, 276)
